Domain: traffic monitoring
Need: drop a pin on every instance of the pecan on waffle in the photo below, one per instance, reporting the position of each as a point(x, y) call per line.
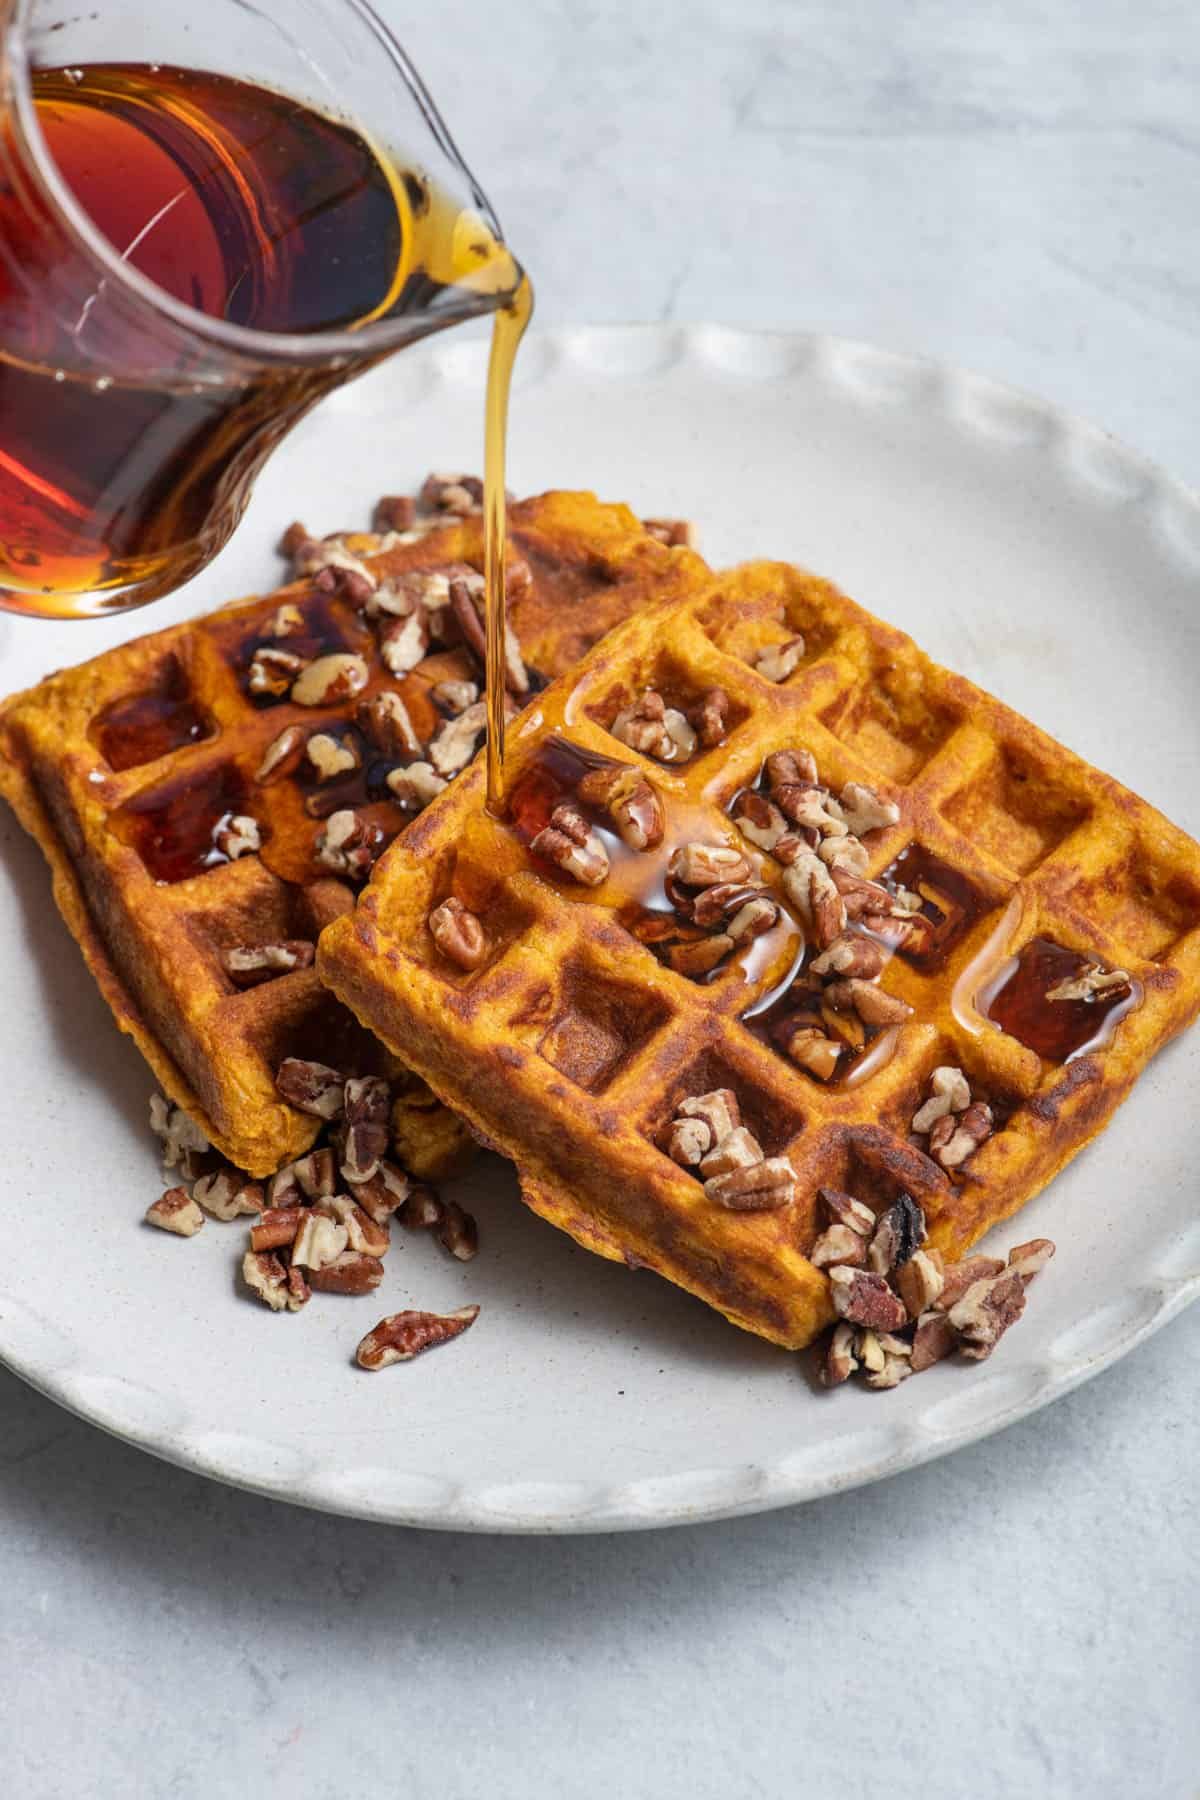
point(853, 884)
point(211, 795)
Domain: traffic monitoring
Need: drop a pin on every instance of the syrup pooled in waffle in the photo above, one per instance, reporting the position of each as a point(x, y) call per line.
point(946, 867)
point(210, 796)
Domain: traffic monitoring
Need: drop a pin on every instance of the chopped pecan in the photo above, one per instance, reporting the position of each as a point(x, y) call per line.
point(465, 607)
point(629, 800)
point(953, 1139)
point(810, 887)
point(899, 1234)
point(403, 1335)
point(961, 1276)
point(284, 1188)
point(569, 842)
point(313, 1087)
point(293, 539)
point(847, 853)
point(456, 494)
point(864, 1298)
point(237, 835)
point(689, 1140)
point(363, 1233)
point(895, 1370)
point(775, 662)
point(330, 680)
point(851, 955)
point(349, 1273)
point(698, 957)
point(861, 897)
point(844, 1209)
point(870, 1352)
point(454, 697)
point(175, 1211)
point(228, 1194)
point(386, 1192)
point(871, 1003)
point(272, 671)
point(457, 1231)
point(934, 1339)
point(458, 934)
point(763, 1186)
point(726, 901)
point(394, 512)
point(385, 721)
point(425, 591)
point(706, 865)
point(286, 621)
point(367, 1106)
point(318, 1241)
point(314, 1172)
point(454, 744)
point(181, 1137)
point(864, 810)
point(709, 717)
point(949, 1092)
point(808, 1046)
point(1030, 1259)
point(839, 1361)
point(738, 1149)
point(277, 1227)
point(403, 643)
point(422, 1210)
point(349, 844)
point(414, 787)
point(838, 1244)
point(281, 755)
point(791, 768)
point(755, 916)
point(811, 809)
point(719, 1110)
point(655, 729)
point(759, 819)
point(986, 1311)
point(266, 1276)
point(247, 965)
point(1092, 983)
point(920, 1281)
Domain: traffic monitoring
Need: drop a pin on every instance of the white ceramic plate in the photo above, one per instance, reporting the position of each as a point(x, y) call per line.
point(1024, 548)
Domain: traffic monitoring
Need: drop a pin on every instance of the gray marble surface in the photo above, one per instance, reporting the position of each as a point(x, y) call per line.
point(1014, 187)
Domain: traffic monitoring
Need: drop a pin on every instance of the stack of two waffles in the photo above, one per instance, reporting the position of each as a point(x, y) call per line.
point(786, 932)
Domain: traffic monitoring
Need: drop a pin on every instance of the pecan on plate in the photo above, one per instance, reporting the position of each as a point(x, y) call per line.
point(403, 1335)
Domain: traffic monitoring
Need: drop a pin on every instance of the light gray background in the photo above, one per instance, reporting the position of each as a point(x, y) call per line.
point(1011, 186)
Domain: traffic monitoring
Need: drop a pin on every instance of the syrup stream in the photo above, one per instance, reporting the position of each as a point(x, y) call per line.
point(508, 328)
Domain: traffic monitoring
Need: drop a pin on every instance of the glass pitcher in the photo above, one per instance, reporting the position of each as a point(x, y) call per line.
point(209, 217)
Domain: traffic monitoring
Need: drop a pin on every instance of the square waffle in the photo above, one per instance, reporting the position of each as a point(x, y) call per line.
point(133, 770)
point(572, 1045)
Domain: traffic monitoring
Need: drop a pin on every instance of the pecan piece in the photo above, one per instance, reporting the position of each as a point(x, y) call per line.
point(839, 1361)
point(738, 1149)
point(707, 865)
point(791, 768)
point(675, 533)
point(864, 810)
point(775, 662)
point(899, 1234)
point(709, 717)
point(349, 844)
point(277, 1227)
point(457, 1231)
point(182, 1138)
point(281, 755)
point(850, 955)
point(871, 1003)
point(689, 1140)
point(273, 671)
point(920, 1281)
point(456, 494)
point(331, 756)
point(934, 1339)
point(394, 512)
point(466, 609)
point(949, 1092)
point(403, 643)
point(986, 1311)
point(318, 1241)
point(363, 1233)
point(386, 1192)
point(1030, 1259)
point(808, 1046)
point(454, 697)
point(864, 1298)
point(810, 887)
point(1091, 984)
point(314, 1173)
point(247, 965)
point(628, 799)
point(330, 680)
point(961, 1276)
point(838, 1244)
point(569, 842)
point(759, 819)
point(844, 1209)
point(458, 934)
point(266, 1276)
point(237, 835)
point(413, 788)
point(954, 1139)
point(764, 1186)
point(385, 722)
point(349, 1273)
point(312, 1087)
point(403, 1335)
point(228, 1194)
point(698, 958)
point(719, 1110)
point(367, 1106)
point(655, 729)
point(454, 744)
point(422, 1210)
point(175, 1211)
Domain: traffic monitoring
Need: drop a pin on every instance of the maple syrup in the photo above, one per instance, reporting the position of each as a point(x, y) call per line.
point(950, 903)
point(145, 726)
point(174, 827)
point(129, 439)
point(1056, 1030)
point(796, 1003)
point(508, 328)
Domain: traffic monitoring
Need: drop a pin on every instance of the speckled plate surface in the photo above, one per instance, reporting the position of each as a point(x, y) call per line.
point(1018, 545)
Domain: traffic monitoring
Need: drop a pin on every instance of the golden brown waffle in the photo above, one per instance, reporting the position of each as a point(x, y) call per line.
point(572, 1045)
point(122, 767)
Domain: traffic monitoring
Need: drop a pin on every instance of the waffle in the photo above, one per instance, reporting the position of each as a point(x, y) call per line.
point(572, 1046)
point(129, 768)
